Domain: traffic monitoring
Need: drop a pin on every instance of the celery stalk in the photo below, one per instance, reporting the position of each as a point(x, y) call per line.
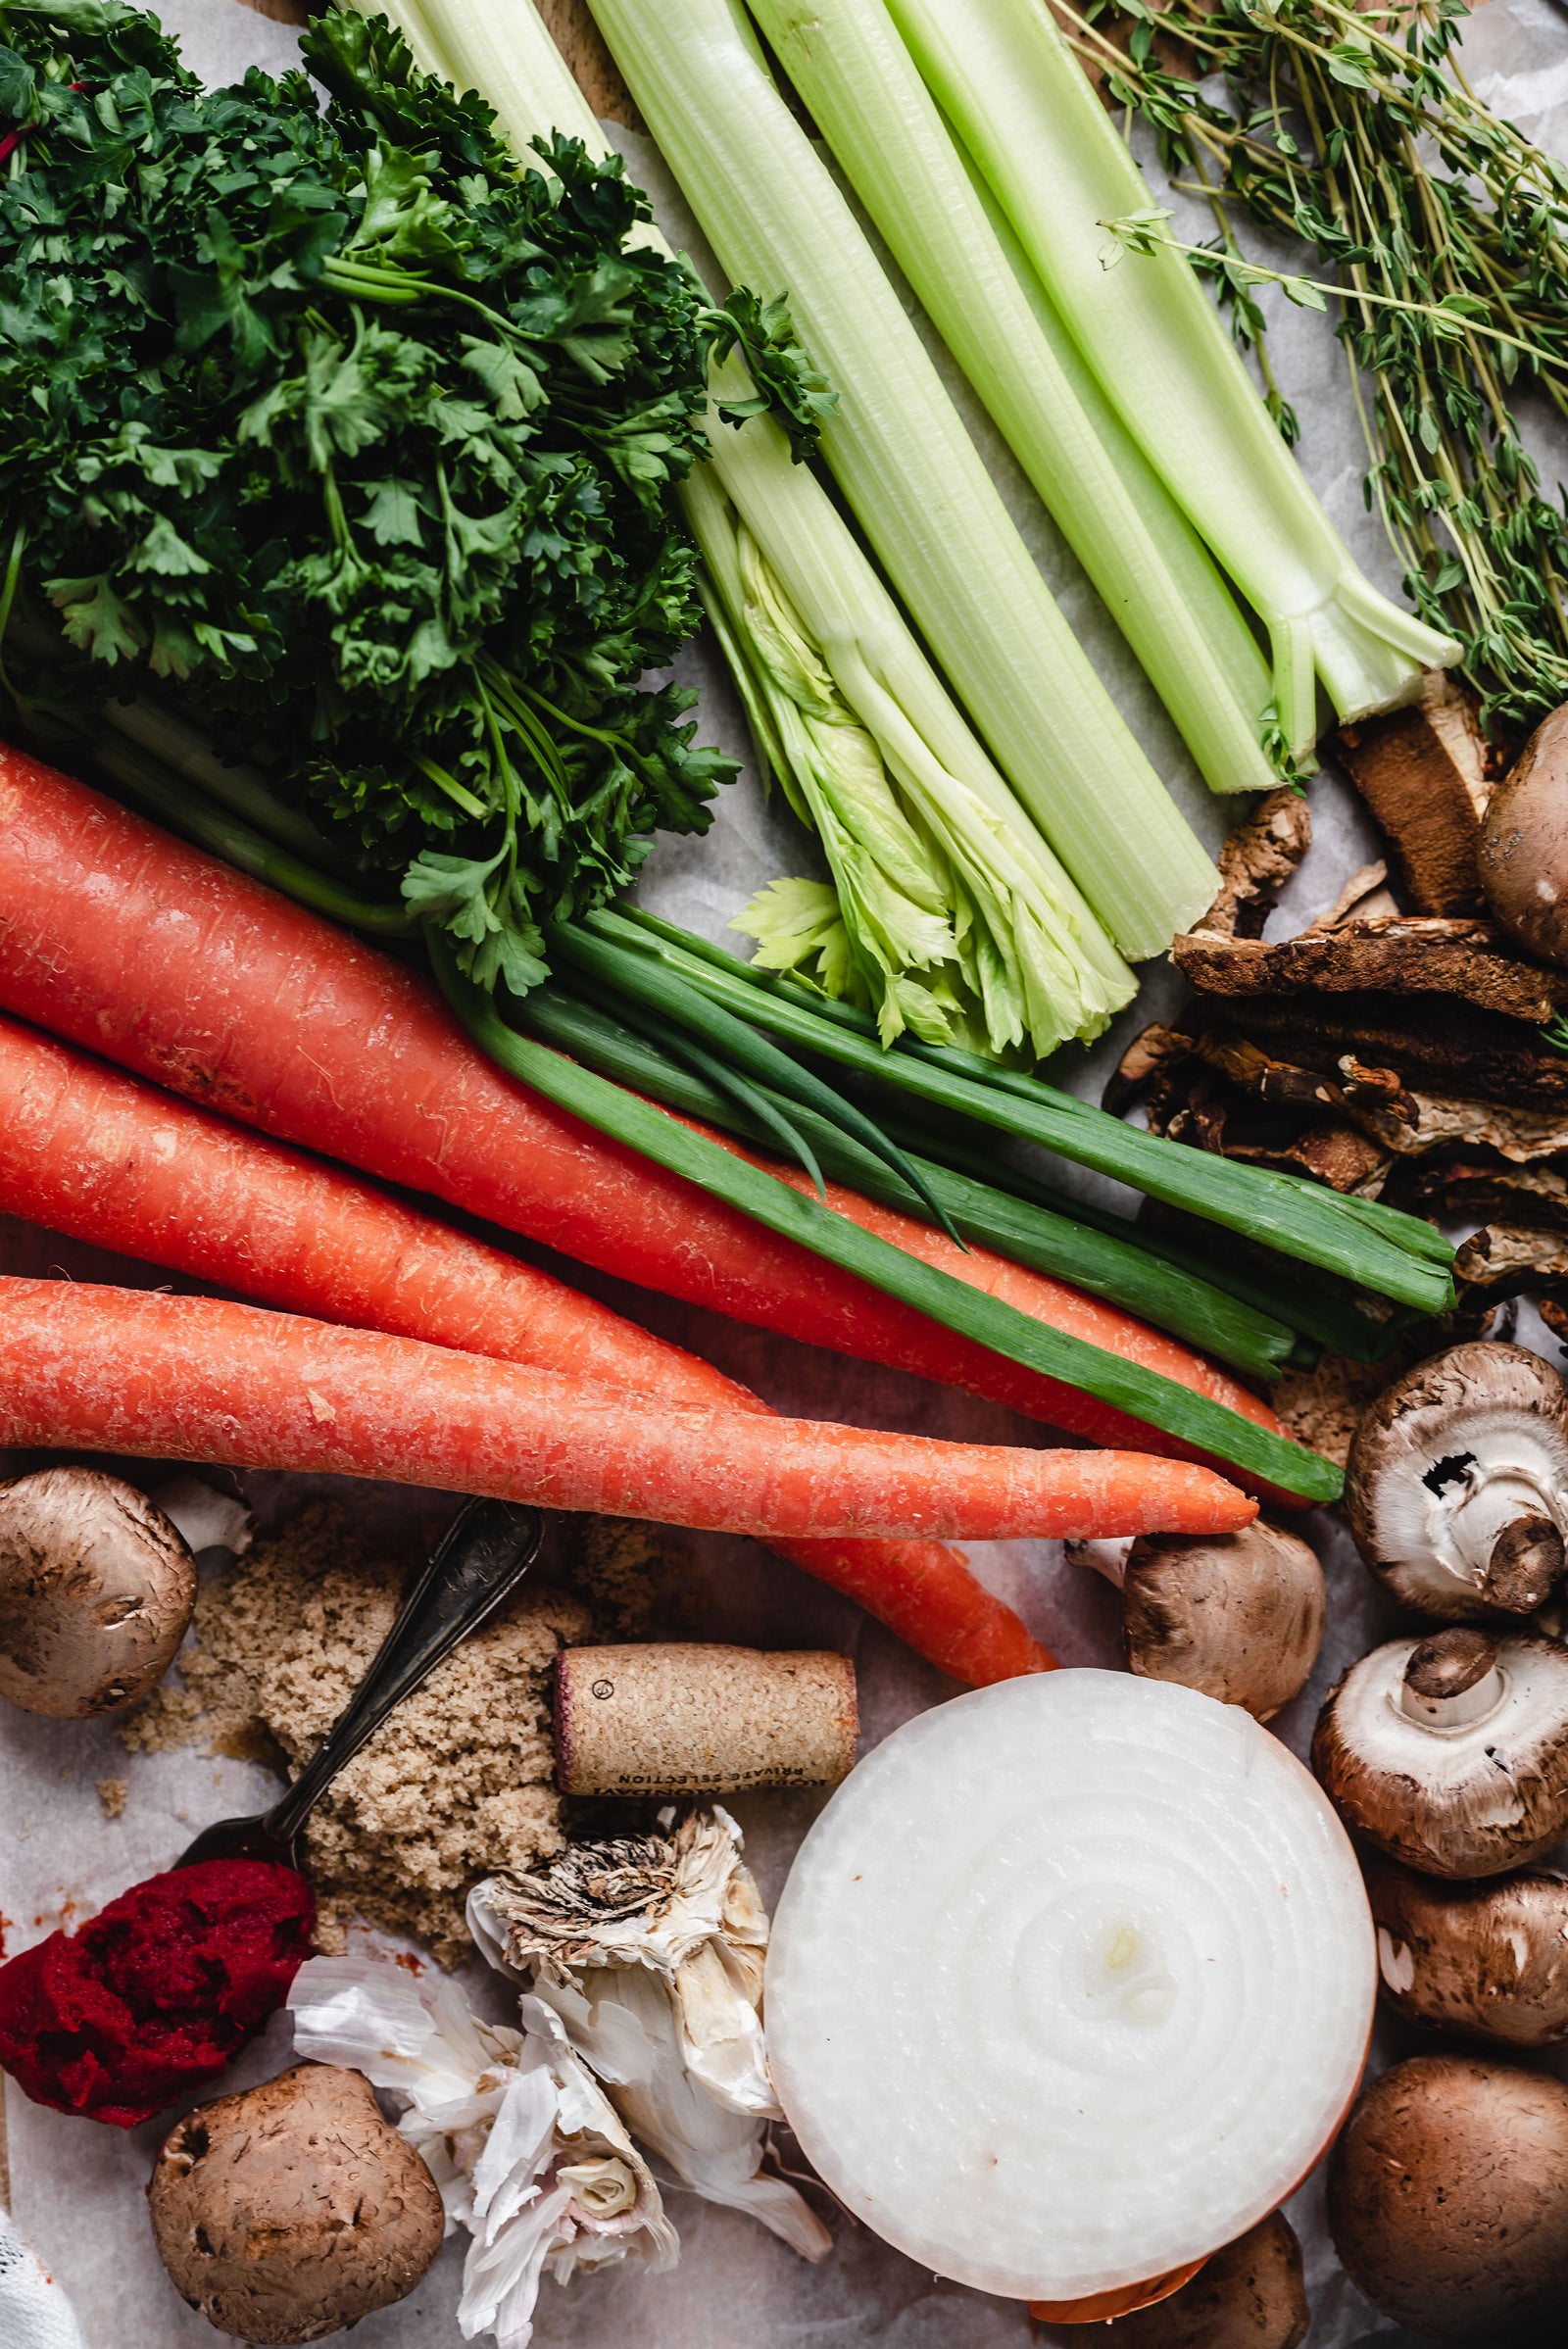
point(914, 478)
point(845, 616)
point(861, 85)
point(1018, 100)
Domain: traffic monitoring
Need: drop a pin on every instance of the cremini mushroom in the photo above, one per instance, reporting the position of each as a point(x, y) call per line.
point(1488, 1960)
point(1449, 2198)
point(1523, 850)
point(96, 1588)
point(294, 2209)
point(1450, 1753)
point(1457, 1483)
point(1239, 1616)
point(1252, 2295)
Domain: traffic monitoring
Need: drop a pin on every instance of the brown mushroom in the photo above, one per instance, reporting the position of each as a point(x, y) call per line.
point(1457, 1483)
point(1523, 852)
point(1239, 1616)
point(96, 1588)
point(1489, 1960)
point(293, 2208)
point(1248, 2296)
point(1451, 1753)
point(1449, 2198)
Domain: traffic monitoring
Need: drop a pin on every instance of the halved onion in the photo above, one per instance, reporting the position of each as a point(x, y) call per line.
point(1070, 1983)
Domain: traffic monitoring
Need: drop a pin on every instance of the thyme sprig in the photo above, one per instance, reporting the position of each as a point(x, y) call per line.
point(1447, 234)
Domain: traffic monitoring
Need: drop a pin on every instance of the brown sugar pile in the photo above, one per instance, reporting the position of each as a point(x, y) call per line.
point(459, 1781)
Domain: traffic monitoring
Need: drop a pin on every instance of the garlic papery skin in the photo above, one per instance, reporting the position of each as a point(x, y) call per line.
point(1071, 1983)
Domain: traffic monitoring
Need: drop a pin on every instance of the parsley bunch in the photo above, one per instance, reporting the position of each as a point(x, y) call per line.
point(356, 445)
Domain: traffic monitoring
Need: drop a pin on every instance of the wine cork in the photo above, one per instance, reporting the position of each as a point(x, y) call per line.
point(667, 1720)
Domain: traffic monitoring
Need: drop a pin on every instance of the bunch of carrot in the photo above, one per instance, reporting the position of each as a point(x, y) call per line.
point(125, 941)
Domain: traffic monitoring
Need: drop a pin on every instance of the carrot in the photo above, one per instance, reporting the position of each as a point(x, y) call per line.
point(131, 1370)
point(106, 1159)
point(136, 946)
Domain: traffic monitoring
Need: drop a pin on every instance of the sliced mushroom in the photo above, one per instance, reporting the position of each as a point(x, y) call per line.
point(1451, 1753)
point(1457, 1483)
point(96, 1589)
point(1239, 1616)
point(1448, 2199)
point(1489, 1960)
point(1252, 2295)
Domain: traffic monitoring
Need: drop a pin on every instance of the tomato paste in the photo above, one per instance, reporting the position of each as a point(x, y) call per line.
point(157, 1993)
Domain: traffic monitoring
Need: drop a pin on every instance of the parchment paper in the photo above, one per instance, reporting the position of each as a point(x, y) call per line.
point(76, 2189)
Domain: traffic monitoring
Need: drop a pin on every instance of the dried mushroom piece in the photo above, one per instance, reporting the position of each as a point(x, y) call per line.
point(1463, 1190)
point(1391, 954)
point(1366, 896)
point(1427, 774)
point(1510, 1256)
point(1414, 1124)
point(1451, 1753)
point(1457, 1487)
point(1257, 861)
point(1488, 1961)
point(1443, 1045)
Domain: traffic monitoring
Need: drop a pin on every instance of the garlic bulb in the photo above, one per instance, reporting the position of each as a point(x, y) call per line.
point(650, 1951)
point(1071, 1983)
point(527, 2152)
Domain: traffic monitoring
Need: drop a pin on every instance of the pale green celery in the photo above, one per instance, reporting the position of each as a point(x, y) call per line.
point(944, 919)
point(932, 513)
point(1018, 100)
point(844, 610)
point(863, 92)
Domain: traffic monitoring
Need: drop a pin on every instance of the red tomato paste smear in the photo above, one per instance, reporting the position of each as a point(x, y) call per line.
point(156, 1993)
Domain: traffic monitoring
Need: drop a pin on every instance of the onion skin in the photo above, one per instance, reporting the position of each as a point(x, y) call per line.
point(1099, 2308)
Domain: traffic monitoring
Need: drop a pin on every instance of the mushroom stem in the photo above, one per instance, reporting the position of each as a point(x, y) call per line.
point(1107, 1558)
point(1451, 1682)
point(1505, 1539)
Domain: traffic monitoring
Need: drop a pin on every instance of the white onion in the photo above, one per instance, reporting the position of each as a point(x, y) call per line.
point(1071, 1983)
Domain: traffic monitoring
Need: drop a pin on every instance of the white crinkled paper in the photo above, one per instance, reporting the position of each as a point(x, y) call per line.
point(78, 2189)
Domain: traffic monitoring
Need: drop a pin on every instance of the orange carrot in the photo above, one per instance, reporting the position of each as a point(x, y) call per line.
point(136, 946)
point(130, 1370)
point(106, 1159)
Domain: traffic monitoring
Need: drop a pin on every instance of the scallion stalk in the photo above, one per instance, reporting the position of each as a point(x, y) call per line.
point(914, 479)
point(1190, 1418)
point(1018, 100)
point(1104, 1265)
point(1374, 1247)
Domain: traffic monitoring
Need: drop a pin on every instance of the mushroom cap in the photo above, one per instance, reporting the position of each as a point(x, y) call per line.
point(1252, 2295)
point(1448, 2197)
point(96, 1588)
point(294, 2209)
point(1457, 1486)
point(1523, 851)
point(1455, 1802)
point(1489, 1960)
point(1239, 1616)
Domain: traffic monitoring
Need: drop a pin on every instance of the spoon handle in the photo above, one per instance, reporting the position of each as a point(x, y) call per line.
point(483, 1556)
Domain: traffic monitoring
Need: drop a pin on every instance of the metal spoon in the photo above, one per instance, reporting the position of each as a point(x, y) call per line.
point(483, 1556)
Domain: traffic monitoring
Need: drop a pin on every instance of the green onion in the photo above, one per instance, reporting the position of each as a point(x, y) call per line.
point(1160, 1403)
point(1375, 1247)
point(1038, 133)
point(910, 471)
point(866, 96)
point(653, 990)
point(1117, 1269)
